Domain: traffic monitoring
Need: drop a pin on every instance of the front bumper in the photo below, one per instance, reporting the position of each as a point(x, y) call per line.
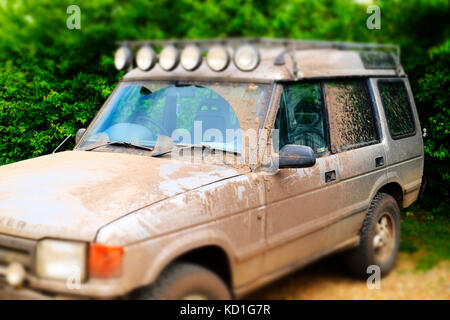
point(36, 288)
point(10, 293)
point(41, 289)
point(25, 293)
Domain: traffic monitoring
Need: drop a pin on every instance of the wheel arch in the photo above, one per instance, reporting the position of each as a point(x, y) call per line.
point(212, 252)
point(395, 190)
point(212, 257)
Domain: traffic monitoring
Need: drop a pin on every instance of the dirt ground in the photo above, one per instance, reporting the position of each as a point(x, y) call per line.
point(326, 279)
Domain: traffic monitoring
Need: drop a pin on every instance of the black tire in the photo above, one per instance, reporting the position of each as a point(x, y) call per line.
point(368, 252)
point(185, 281)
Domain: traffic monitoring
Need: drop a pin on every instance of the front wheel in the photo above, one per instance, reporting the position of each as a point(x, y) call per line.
point(185, 281)
point(380, 237)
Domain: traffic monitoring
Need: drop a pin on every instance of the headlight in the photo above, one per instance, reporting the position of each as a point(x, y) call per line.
point(60, 260)
point(191, 57)
point(246, 58)
point(145, 58)
point(122, 58)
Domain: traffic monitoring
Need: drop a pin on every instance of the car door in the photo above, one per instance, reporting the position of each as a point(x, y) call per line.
point(356, 140)
point(302, 204)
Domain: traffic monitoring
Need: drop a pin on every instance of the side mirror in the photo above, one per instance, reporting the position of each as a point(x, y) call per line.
point(294, 156)
point(80, 133)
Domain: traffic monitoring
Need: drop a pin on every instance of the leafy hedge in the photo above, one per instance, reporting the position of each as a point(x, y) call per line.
point(431, 90)
point(53, 80)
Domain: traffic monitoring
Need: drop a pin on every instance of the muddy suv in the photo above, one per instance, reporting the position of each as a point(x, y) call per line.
point(216, 167)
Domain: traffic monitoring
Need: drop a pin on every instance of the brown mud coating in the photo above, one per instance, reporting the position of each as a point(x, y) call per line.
point(348, 125)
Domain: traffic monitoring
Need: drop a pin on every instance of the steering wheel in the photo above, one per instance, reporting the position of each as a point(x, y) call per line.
point(149, 119)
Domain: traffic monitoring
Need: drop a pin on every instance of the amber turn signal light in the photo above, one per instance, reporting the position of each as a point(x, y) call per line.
point(105, 261)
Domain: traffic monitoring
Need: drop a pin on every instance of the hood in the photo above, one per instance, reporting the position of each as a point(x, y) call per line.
point(72, 194)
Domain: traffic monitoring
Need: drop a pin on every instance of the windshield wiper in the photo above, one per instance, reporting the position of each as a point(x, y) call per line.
point(165, 145)
point(120, 143)
point(203, 146)
point(160, 153)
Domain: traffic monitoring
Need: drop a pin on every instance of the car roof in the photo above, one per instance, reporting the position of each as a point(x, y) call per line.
point(281, 60)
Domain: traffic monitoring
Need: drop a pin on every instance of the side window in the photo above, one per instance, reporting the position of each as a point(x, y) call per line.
point(350, 111)
point(301, 117)
point(397, 108)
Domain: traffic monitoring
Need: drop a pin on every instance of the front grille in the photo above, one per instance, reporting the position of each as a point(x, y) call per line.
point(13, 249)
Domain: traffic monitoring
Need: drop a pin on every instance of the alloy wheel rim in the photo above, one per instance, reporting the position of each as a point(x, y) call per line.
point(195, 296)
point(384, 239)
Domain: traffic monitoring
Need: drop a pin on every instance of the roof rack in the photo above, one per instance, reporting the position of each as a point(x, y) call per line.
point(291, 45)
point(271, 42)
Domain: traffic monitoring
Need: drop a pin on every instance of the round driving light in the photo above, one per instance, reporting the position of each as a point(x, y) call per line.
point(122, 58)
point(218, 58)
point(168, 58)
point(145, 58)
point(15, 274)
point(191, 57)
point(246, 58)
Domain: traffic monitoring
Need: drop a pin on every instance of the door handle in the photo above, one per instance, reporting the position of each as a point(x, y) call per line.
point(379, 162)
point(330, 176)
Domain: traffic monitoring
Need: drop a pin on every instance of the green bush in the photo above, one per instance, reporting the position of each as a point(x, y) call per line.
point(37, 110)
point(432, 97)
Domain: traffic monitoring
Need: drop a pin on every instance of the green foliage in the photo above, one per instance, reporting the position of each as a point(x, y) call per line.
point(38, 110)
point(53, 80)
point(432, 98)
point(427, 234)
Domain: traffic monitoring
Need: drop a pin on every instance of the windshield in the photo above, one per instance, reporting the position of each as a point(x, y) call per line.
point(190, 114)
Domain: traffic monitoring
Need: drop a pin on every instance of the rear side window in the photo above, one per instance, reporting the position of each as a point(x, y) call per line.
point(352, 120)
point(377, 60)
point(397, 108)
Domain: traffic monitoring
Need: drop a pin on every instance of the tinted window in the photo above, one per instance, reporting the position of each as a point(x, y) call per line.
point(397, 107)
point(377, 60)
point(352, 121)
point(301, 117)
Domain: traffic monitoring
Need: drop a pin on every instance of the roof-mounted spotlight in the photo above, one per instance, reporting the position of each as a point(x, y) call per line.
point(145, 58)
point(218, 58)
point(246, 58)
point(123, 58)
point(168, 58)
point(191, 57)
